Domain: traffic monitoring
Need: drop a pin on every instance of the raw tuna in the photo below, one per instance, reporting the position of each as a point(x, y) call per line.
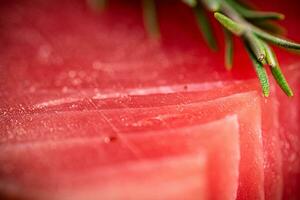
point(112, 123)
point(290, 136)
point(60, 56)
point(130, 167)
point(180, 95)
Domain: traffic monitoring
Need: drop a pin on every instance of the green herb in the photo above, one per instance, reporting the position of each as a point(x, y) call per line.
point(256, 28)
point(269, 26)
point(276, 71)
point(97, 5)
point(228, 49)
point(259, 69)
point(212, 5)
point(253, 14)
point(191, 3)
point(150, 15)
point(276, 40)
point(205, 26)
point(232, 26)
point(256, 46)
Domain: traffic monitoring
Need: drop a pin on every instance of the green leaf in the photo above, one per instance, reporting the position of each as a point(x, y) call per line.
point(253, 14)
point(260, 71)
point(205, 27)
point(237, 6)
point(258, 15)
point(191, 3)
point(280, 79)
point(276, 71)
point(229, 24)
point(269, 26)
point(245, 4)
point(276, 40)
point(212, 5)
point(256, 46)
point(150, 18)
point(97, 5)
point(228, 49)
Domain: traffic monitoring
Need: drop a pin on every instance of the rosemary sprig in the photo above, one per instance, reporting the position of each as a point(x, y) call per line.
point(256, 28)
point(239, 20)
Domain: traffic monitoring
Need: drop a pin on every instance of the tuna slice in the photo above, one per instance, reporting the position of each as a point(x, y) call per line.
point(169, 164)
point(113, 123)
point(179, 95)
point(290, 136)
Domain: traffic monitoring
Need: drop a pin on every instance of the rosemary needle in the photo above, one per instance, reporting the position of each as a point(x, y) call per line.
point(269, 26)
point(276, 40)
point(257, 46)
point(255, 15)
point(212, 5)
point(229, 24)
point(260, 71)
point(150, 18)
point(97, 5)
point(191, 3)
point(228, 49)
point(205, 26)
point(276, 71)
